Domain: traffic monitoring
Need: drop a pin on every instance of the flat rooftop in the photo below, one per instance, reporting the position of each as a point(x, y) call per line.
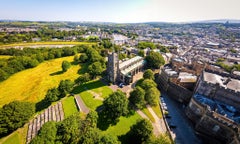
point(230, 83)
point(187, 77)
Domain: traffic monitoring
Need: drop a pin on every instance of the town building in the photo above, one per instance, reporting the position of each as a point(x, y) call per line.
point(215, 107)
point(123, 71)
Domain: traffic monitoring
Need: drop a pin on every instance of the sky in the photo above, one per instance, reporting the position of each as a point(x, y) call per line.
point(120, 11)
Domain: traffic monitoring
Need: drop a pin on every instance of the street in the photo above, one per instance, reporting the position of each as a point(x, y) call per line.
point(181, 125)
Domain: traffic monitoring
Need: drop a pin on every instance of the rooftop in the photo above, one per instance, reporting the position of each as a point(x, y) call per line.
point(187, 77)
point(226, 82)
point(220, 108)
point(130, 61)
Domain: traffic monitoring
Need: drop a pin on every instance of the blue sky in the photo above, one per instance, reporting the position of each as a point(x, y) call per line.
point(119, 10)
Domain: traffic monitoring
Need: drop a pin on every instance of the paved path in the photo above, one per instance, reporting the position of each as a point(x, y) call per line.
point(159, 123)
point(80, 104)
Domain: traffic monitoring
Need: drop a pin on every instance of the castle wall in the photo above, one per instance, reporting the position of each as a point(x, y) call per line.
point(212, 124)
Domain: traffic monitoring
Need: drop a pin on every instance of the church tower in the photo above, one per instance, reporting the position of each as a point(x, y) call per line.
point(112, 67)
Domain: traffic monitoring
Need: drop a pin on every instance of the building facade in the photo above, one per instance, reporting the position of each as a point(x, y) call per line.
point(125, 70)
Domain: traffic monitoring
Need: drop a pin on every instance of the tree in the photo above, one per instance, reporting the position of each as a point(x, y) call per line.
point(52, 95)
point(141, 131)
point(154, 60)
point(76, 58)
point(65, 87)
point(143, 45)
point(83, 58)
point(14, 115)
point(115, 105)
point(109, 139)
point(147, 84)
point(83, 79)
point(95, 69)
point(148, 74)
point(46, 135)
point(152, 95)
point(137, 97)
point(71, 130)
point(65, 65)
point(92, 118)
point(141, 53)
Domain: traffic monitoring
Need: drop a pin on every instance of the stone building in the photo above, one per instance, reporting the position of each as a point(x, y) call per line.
point(125, 70)
point(215, 107)
point(178, 85)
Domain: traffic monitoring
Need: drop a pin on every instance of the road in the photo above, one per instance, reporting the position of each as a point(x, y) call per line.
point(184, 131)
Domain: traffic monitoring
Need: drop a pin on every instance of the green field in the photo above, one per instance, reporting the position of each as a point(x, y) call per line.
point(32, 84)
point(123, 126)
point(148, 114)
point(17, 137)
point(69, 106)
point(4, 57)
point(13, 139)
point(157, 111)
point(96, 87)
point(46, 43)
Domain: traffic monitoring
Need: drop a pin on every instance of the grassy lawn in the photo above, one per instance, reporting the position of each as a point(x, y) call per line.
point(17, 137)
point(32, 84)
point(148, 114)
point(4, 57)
point(46, 43)
point(95, 86)
point(69, 106)
point(157, 111)
point(123, 126)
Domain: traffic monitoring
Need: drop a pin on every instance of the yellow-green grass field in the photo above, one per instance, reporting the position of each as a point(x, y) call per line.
point(46, 43)
point(69, 106)
point(157, 111)
point(5, 57)
point(32, 84)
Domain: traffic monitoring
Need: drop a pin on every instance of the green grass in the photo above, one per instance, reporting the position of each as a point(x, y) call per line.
point(32, 84)
point(46, 43)
point(13, 139)
point(148, 114)
point(5, 57)
point(157, 111)
point(123, 126)
point(96, 86)
point(17, 137)
point(69, 106)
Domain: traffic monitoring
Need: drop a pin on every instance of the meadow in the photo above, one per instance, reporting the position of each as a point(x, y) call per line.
point(32, 84)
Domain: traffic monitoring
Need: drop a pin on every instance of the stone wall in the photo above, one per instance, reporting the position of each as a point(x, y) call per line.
point(212, 124)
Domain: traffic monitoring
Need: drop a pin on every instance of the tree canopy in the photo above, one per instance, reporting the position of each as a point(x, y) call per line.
point(65, 65)
point(154, 60)
point(148, 74)
point(14, 115)
point(115, 105)
point(141, 131)
point(152, 95)
point(137, 97)
point(143, 45)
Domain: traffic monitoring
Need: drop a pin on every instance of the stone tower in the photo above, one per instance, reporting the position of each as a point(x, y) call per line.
point(112, 67)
